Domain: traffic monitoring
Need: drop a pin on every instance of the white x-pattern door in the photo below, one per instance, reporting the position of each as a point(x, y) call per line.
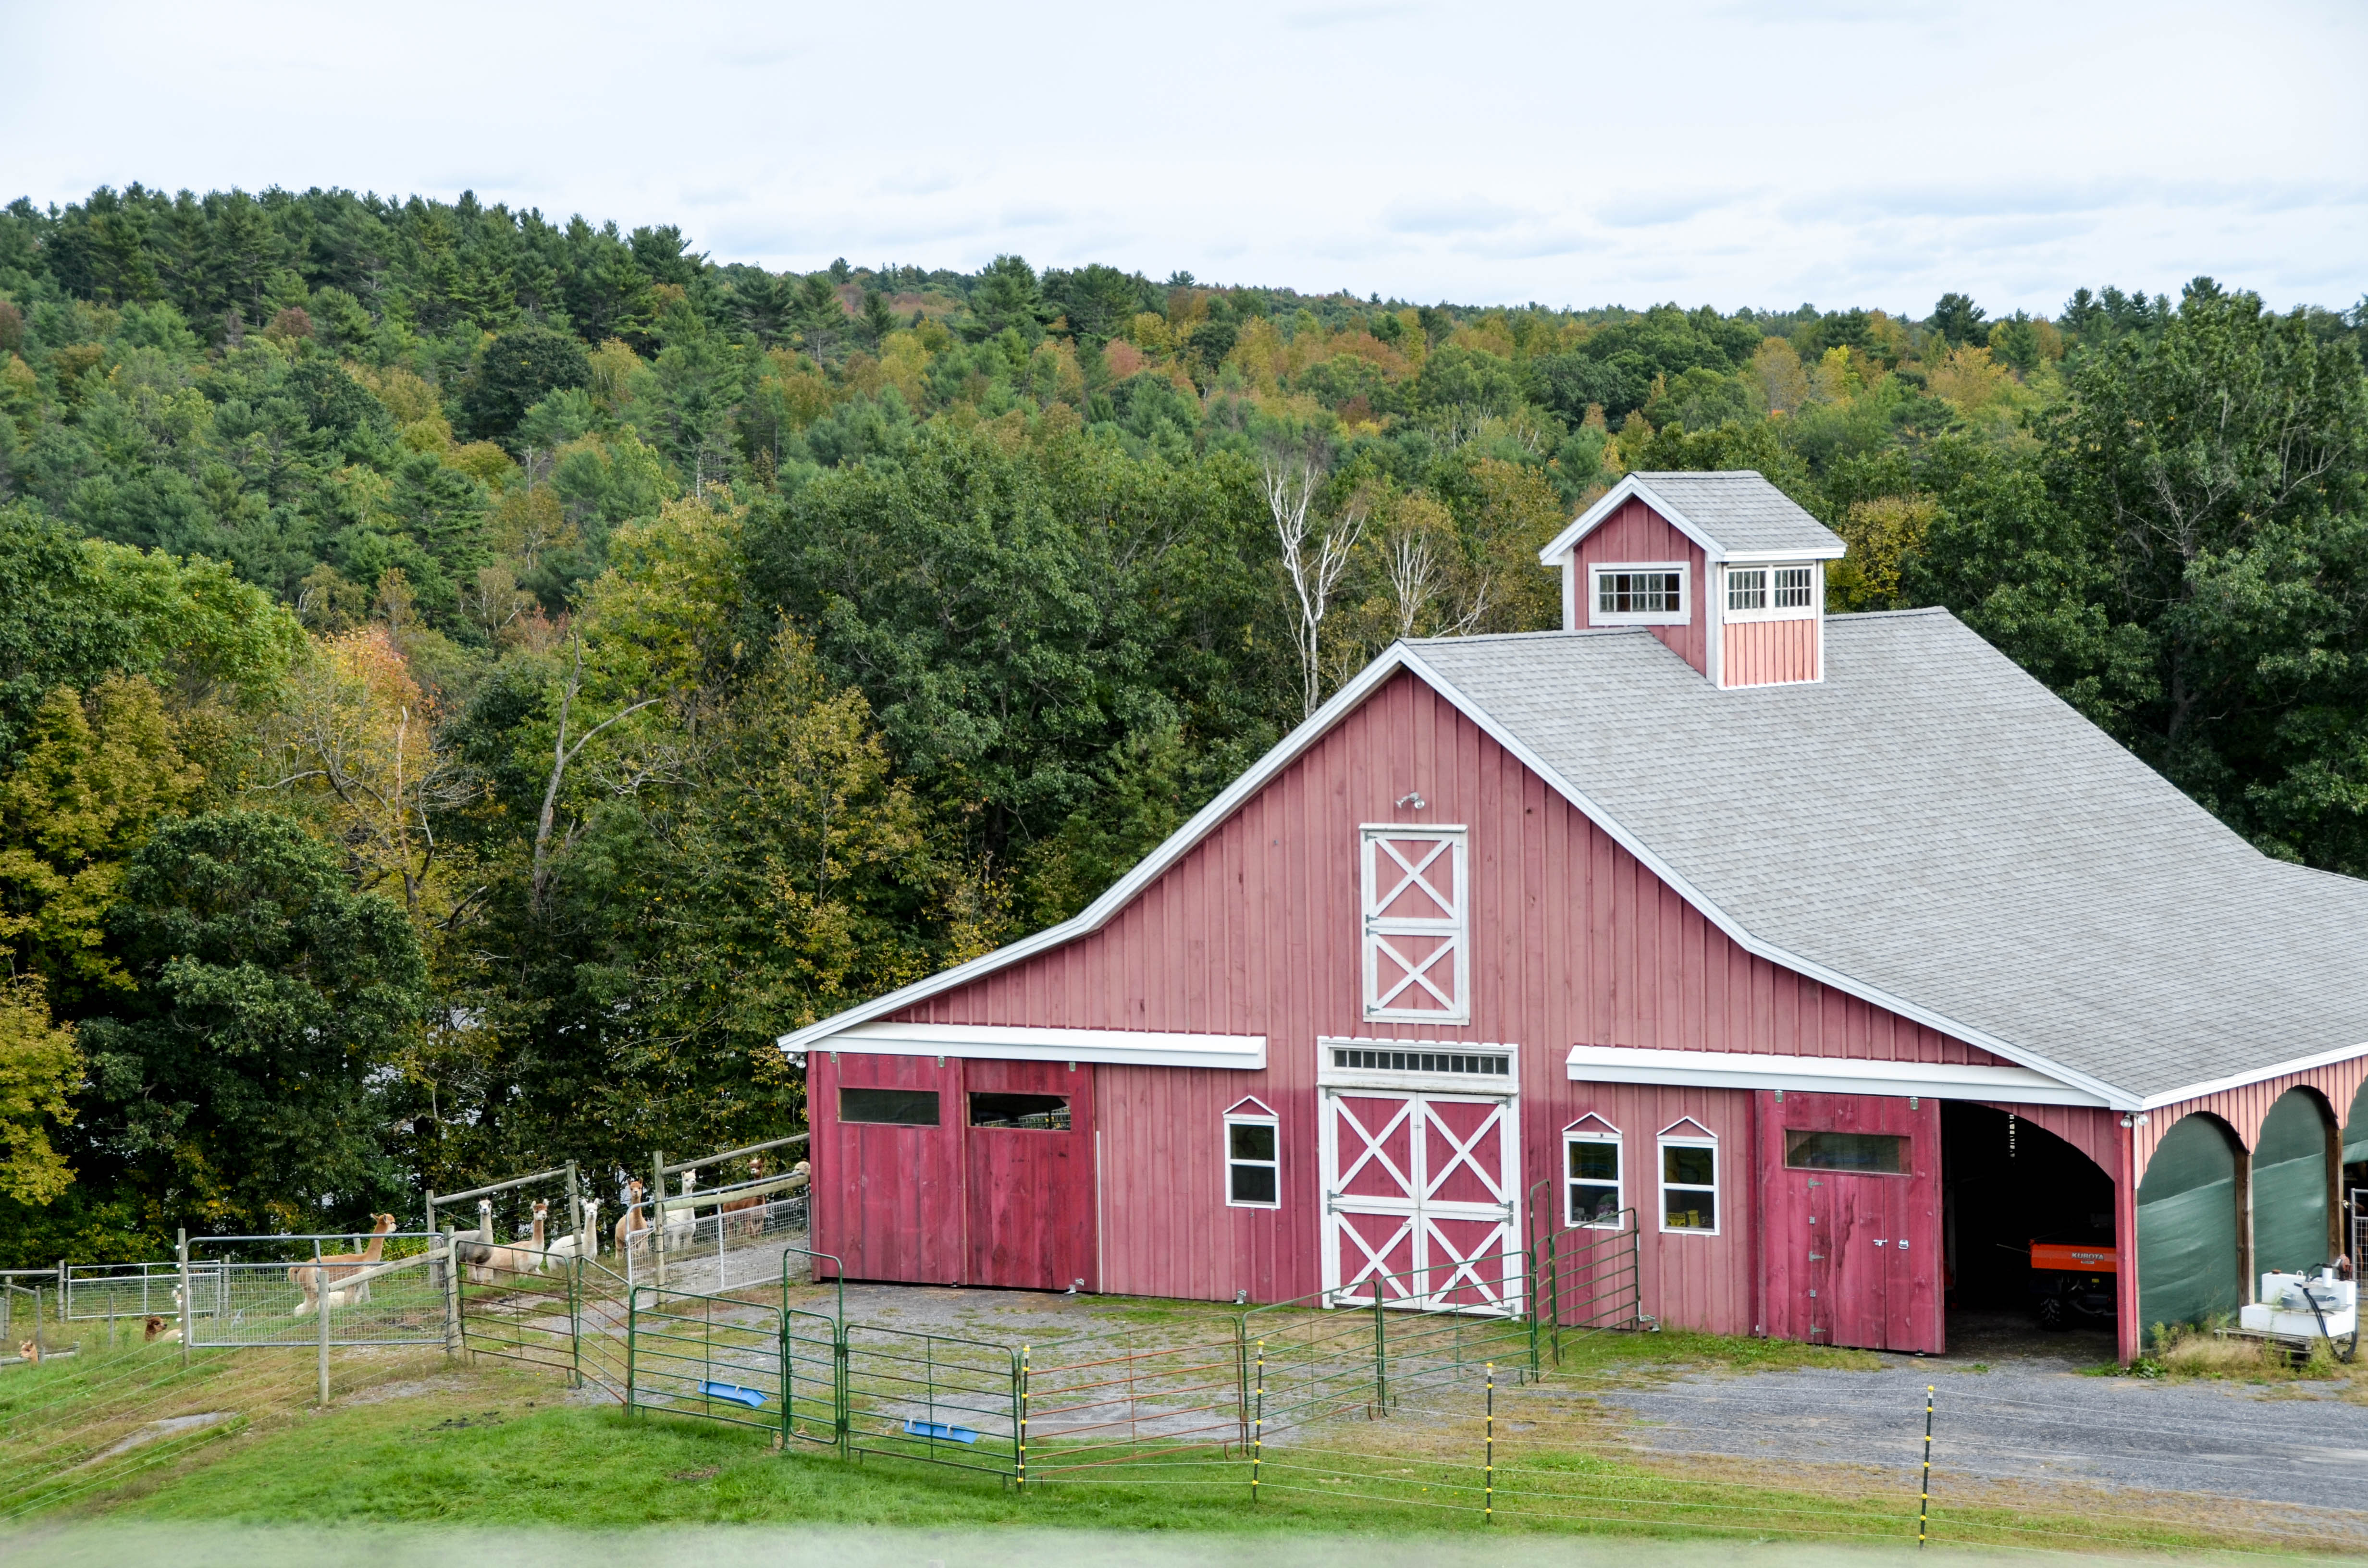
point(1421, 1199)
point(1418, 962)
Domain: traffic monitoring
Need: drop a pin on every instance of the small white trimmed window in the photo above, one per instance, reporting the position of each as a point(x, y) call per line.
point(1591, 1157)
point(1690, 1178)
point(1746, 587)
point(1771, 593)
point(1651, 593)
point(1417, 893)
point(1253, 1157)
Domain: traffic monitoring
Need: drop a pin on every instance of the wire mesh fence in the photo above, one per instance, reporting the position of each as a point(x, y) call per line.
point(365, 1296)
point(725, 1238)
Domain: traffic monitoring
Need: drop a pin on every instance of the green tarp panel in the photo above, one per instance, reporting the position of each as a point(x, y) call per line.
point(2290, 1187)
point(2356, 1129)
point(2186, 1227)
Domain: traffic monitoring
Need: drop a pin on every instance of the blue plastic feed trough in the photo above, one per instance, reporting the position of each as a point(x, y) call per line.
point(749, 1397)
point(940, 1429)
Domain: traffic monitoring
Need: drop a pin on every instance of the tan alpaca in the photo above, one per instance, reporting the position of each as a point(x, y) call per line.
point(30, 1349)
point(159, 1331)
point(337, 1266)
point(633, 1224)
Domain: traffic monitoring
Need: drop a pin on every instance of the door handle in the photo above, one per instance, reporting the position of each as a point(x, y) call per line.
point(1880, 1241)
point(1817, 1257)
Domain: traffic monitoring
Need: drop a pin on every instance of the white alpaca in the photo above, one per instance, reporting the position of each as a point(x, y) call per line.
point(679, 1223)
point(584, 1242)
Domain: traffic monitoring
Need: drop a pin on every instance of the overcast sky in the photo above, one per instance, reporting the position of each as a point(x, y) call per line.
point(1573, 154)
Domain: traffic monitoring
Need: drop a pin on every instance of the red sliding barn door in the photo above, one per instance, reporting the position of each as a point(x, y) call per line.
point(1853, 1220)
point(1028, 1136)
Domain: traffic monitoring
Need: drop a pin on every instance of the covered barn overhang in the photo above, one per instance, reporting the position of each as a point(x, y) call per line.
point(1822, 1074)
point(1146, 1048)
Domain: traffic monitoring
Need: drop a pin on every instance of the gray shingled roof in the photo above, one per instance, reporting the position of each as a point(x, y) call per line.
point(1932, 822)
point(1741, 510)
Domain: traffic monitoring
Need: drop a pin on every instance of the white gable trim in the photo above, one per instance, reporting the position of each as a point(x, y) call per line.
point(1396, 657)
point(1566, 541)
point(1817, 1074)
point(1147, 1047)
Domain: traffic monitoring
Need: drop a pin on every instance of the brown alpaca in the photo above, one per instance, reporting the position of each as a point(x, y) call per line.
point(337, 1266)
point(633, 1224)
point(746, 1216)
point(157, 1329)
point(30, 1349)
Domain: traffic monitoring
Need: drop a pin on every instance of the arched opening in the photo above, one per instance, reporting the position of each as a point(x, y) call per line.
point(2355, 1168)
point(2293, 1170)
point(2014, 1195)
point(2187, 1267)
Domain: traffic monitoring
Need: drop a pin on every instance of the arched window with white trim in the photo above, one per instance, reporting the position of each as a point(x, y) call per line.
point(1689, 1178)
point(1591, 1174)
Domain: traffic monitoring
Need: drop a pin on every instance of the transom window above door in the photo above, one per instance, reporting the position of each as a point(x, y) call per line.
point(1415, 939)
point(1651, 593)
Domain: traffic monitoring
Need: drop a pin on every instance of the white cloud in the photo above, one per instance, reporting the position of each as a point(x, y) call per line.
point(1713, 152)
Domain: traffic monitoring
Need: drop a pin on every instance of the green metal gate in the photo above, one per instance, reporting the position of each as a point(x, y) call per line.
point(716, 1358)
point(932, 1397)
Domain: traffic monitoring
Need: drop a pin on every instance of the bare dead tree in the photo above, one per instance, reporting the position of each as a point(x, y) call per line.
point(562, 753)
point(1314, 563)
point(1416, 577)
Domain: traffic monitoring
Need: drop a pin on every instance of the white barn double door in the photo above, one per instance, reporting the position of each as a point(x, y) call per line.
point(1421, 1199)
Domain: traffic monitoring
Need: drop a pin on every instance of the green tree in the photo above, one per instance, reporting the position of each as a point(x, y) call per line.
point(239, 1085)
point(40, 1071)
point(518, 369)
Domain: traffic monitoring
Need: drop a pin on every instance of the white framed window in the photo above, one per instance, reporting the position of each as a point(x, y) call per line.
point(1688, 1153)
point(1592, 1185)
point(1417, 948)
point(1637, 593)
point(1782, 592)
point(1253, 1157)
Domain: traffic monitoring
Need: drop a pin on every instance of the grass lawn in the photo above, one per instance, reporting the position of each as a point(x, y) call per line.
point(492, 1445)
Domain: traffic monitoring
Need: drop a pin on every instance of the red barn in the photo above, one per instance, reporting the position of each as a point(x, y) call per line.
point(1837, 952)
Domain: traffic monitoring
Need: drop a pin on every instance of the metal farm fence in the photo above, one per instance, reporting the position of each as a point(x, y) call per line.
point(238, 1299)
point(932, 1397)
point(709, 1356)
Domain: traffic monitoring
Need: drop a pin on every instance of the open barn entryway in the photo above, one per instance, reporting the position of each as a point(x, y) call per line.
point(2028, 1222)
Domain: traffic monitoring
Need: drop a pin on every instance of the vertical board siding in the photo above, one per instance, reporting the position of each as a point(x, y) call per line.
point(1768, 653)
point(1255, 931)
point(1638, 534)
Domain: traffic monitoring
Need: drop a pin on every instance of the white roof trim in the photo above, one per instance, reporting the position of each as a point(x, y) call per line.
point(1614, 499)
point(1097, 915)
point(1148, 1048)
point(2254, 1075)
point(1395, 657)
point(1818, 1075)
point(1766, 557)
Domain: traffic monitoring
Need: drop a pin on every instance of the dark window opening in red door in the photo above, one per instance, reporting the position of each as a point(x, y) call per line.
point(1872, 1153)
point(889, 1107)
point(1031, 1113)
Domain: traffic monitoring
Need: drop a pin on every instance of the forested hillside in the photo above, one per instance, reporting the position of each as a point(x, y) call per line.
point(467, 683)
